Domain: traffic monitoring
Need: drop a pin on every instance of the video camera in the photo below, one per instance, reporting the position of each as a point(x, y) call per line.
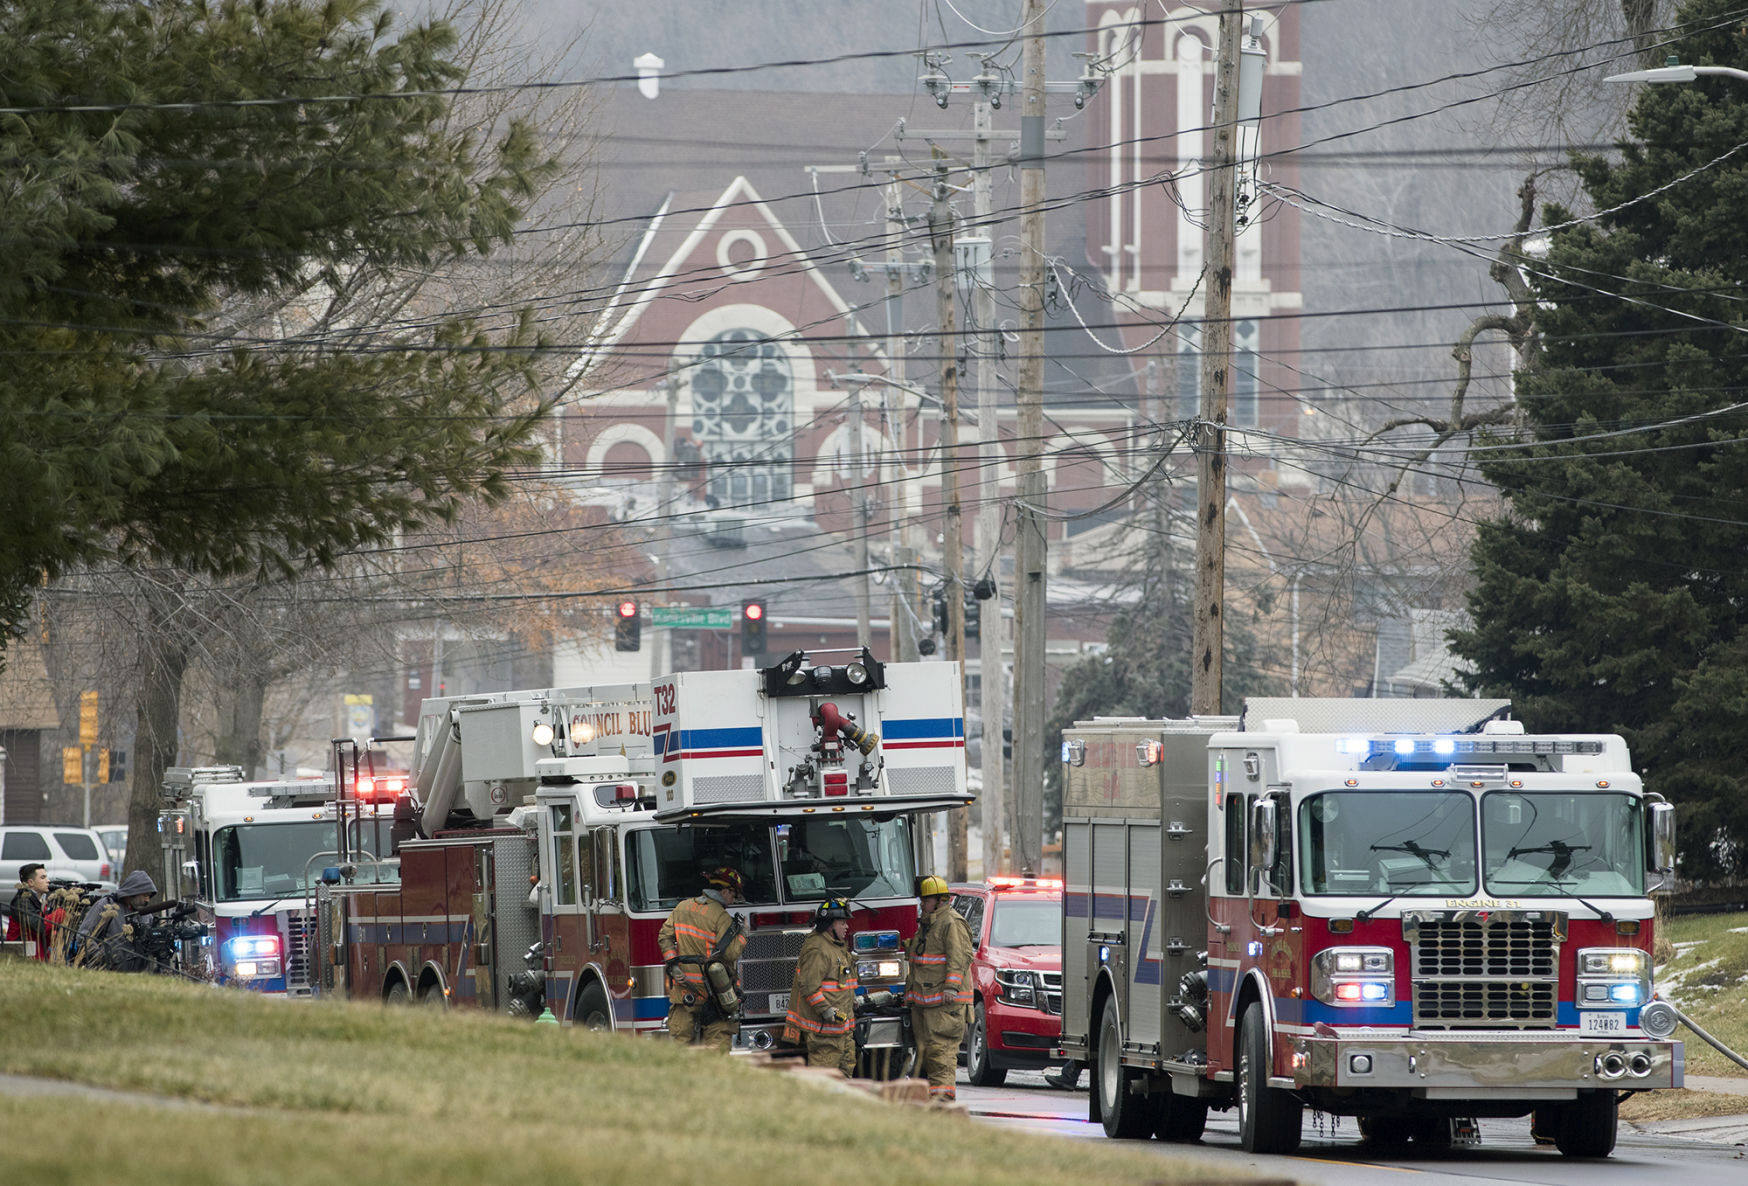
point(160, 931)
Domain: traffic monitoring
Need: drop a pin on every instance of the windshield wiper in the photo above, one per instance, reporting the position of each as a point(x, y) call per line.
point(1562, 853)
point(1413, 849)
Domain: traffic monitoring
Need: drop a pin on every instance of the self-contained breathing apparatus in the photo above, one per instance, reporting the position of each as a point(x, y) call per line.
point(723, 998)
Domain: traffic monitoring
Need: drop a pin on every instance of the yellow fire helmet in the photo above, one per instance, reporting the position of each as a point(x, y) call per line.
point(932, 886)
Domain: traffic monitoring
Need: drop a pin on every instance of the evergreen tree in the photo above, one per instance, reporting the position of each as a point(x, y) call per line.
point(1612, 593)
point(163, 165)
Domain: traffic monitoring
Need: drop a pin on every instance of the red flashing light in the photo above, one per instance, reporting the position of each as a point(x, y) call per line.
point(837, 782)
point(1003, 881)
point(628, 609)
point(753, 610)
point(1347, 992)
point(382, 788)
point(624, 792)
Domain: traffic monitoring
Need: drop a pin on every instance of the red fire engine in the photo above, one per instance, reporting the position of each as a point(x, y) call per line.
point(1407, 911)
point(558, 828)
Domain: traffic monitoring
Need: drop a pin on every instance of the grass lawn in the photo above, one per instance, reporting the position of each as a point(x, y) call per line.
point(330, 1092)
point(1707, 979)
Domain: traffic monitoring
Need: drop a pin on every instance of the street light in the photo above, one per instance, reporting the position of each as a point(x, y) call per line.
point(1676, 72)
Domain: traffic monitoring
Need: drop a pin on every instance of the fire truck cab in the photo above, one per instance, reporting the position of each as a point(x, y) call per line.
point(247, 855)
point(1405, 911)
point(560, 827)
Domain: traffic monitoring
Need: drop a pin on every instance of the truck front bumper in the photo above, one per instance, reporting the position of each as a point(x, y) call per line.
point(1494, 1065)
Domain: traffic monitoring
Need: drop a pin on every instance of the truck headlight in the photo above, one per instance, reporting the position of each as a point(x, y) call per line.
point(1613, 977)
point(1017, 987)
point(1354, 977)
point(880, 970)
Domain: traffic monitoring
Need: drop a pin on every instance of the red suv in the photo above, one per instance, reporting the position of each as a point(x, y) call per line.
point(1016, 975)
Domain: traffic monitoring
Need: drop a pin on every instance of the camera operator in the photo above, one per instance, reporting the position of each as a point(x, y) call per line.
point(110, 933)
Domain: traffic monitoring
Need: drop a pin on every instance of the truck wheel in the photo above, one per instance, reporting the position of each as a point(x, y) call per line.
point(1268, 1118)
point(593, 1011)
point(977, 1069)
point(1181, 1118)
point(397, 994)
point(1586, 1126)
point(1125, 1114)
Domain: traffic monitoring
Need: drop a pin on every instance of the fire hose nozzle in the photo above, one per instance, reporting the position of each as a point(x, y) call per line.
point(838, 723)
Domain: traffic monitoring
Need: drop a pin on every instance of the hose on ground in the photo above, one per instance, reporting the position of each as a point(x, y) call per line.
point(1711, 1041)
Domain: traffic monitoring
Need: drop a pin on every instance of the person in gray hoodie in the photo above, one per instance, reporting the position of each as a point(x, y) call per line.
point(105, 939)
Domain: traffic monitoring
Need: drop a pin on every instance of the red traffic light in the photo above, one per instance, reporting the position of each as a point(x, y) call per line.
point(628, 609)
point(753, 610)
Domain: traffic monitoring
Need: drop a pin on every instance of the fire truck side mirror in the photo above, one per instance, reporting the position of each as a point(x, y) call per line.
point(1662, 839)
point(1263, 837)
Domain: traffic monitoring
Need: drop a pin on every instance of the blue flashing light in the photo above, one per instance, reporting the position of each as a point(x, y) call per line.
point(1374, 992)
point(876, 940)
point(1405, 745)
point(1444, 745)
point(1354, 745)
point(1624, 994)
point(253, 946)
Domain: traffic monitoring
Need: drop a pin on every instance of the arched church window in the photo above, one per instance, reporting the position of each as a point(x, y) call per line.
point(743, 418)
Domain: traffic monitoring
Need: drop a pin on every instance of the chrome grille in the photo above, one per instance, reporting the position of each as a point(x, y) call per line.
point(1473, 969)
point(299, 937)
point(1052, 992)
point(767, 966)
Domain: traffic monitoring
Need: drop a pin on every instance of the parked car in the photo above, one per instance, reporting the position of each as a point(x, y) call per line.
point(115, 839)
point(1016, 975)
point(77, 854)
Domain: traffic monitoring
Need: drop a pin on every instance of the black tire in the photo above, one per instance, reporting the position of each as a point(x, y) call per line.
point(1127, 1116)
point(593, 1010)
point(397, 994)
point(1181, 1118)
point(431, 997)
point(1269, 1119)
point(1586, 1126)
point(978, 1071)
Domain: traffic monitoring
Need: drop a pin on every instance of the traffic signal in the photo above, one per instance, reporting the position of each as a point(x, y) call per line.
point(752, 627)
point(941, 612)
point(629, 631)
point(973, 617)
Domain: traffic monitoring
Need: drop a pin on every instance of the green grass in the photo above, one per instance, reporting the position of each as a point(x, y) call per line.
point(331, 1092)
point(1708, 980)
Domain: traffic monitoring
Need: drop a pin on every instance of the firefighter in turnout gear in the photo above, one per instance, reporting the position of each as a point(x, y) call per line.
point(822, 1000)
point(938, 987)
point(701, 945)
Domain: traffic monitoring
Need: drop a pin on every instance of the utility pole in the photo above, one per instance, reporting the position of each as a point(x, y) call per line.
point(661, 656)
point(992, 628)
point(1210, 431)
point(903, 613)
point(953, 530)
point(859, 491)
point(1030, 557)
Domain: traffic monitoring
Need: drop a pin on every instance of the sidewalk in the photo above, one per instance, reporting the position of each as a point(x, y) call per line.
point(1713, 1130)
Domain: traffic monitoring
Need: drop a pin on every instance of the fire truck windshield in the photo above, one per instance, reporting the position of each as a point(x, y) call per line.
point(801, 862)
point(264, 861)
point(1562, 842)
point(1400, 843)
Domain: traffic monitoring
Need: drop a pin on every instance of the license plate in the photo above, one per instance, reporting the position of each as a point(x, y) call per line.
point(779, 1002)
point(1602, 1023)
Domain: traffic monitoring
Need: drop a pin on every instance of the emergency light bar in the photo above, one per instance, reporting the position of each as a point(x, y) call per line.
point(1449, 752)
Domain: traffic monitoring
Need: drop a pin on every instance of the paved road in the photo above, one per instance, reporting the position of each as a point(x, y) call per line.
point(1697, 1153)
